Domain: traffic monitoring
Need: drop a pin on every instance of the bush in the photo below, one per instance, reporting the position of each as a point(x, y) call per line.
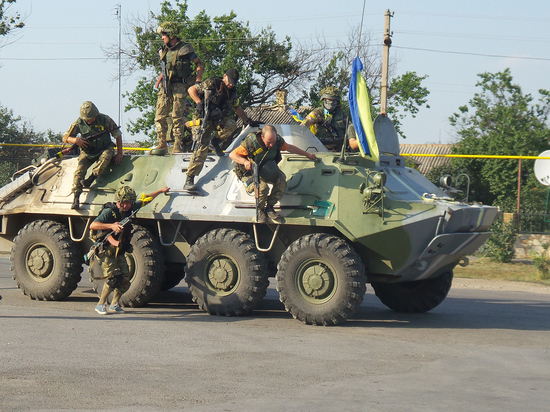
point(542, 262)
point(500, 246)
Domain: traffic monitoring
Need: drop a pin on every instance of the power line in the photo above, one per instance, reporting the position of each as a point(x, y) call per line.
point(472, 54)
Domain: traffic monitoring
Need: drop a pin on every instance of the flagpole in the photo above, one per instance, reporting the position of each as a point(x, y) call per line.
point(361, 28)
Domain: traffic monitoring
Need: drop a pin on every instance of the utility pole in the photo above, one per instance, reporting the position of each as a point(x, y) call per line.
point(385, 62)
point(119, 17)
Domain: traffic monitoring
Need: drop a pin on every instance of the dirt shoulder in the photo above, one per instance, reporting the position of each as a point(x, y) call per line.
point(495, 284)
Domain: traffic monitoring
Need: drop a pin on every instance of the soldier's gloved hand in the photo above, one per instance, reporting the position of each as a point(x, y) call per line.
point(199, 110)
point(253, 123)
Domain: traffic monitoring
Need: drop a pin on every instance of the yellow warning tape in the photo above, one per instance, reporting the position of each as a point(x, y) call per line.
point(475, 156)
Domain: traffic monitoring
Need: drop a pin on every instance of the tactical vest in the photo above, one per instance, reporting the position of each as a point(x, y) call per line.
point(178, 61)
point(221, 96)
point(97, 146)
point(258, 152)
point(338, 122)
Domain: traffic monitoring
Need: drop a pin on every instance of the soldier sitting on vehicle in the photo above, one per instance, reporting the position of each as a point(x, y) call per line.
point(95, 130)
point(264, 148)
point(111, 255)
point(330, 121)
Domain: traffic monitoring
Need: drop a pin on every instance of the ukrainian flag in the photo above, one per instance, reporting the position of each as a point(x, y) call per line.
point(359, 106)
point(299, 119)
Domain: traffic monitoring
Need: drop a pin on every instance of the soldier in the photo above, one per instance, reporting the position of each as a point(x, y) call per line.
point(112, 256)
point(330, 121)
point(99, 149)
point(264, 149)
point(176, 57)
point(222, 98)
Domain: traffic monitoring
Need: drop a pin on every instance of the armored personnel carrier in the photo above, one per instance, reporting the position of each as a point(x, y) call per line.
point(348, 222)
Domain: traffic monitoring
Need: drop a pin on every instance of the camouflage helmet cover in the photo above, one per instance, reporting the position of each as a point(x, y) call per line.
point(88, 110)
point(125, 193)
point(330, 92)
point(166, 27)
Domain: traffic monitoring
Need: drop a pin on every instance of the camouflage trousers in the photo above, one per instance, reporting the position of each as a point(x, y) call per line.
point(224, 128)
point(176, 101)
point(84, 164)
point(267, 198)
point(115, 269)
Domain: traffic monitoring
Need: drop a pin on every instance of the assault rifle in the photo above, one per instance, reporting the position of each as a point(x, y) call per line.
point(165, 82)
point(100, 244)
point(256, 180)
point(88, 139)
point(197, 137)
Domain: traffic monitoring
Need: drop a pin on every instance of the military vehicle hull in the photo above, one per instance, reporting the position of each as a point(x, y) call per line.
point(347, 222)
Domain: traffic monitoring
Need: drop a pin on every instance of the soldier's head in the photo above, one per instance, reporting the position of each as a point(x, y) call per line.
point(230, 78)
point(269, 135)
point(124, 197)
point(88, 112)
point(331, 98)
point(167, 31)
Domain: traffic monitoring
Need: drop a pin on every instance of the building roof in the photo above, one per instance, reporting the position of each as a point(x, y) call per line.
point(425, 164)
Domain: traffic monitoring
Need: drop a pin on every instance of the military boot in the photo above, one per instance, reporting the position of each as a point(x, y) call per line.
point(215, 143)
point(88, 181)
point(190, 183)
point(161, 148)
point(76, 201)
point(273, 215)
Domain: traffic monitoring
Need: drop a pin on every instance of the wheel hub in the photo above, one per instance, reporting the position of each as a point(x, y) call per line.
point(223, 274)
point(40, 262)
point(317, 281)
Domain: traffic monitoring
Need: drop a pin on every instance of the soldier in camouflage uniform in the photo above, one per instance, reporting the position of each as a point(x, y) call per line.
point(222, 98)
point(177, 57)
point(330, 121)
point(99, 150)
point(112, 257)
point(264, 149)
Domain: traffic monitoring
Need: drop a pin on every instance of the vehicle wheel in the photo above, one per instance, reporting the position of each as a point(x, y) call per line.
point(321, 279)
point(45, 262)
point(173, 275)
point(225, 273)
point(415, 297)
point(146, 267)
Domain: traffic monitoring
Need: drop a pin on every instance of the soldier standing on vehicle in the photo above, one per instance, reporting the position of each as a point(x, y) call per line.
point(101, 127)
point(111, 256)
point(222, 97)
point(176, 76)
point(330, 121)
point(264, 148)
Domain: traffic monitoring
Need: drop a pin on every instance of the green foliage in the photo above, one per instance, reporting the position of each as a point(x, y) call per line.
point(14, 131)
point(500, 246)
point(8, 22)
point(501, 120)
point(541, 261)
point(222, 42)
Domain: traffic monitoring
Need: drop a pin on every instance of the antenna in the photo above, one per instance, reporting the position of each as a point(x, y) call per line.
point(118, 13)
point(542, 168)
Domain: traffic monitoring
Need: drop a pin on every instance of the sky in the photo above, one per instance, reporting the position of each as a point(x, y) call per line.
point(57, 60)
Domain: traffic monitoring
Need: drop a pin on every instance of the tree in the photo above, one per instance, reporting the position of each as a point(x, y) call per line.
point(8, 21)
point(501, 120)
point(265, 65)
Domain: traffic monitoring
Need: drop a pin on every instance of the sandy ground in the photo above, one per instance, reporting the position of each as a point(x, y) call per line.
point(491, 284)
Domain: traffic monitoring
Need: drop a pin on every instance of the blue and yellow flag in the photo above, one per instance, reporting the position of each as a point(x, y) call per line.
point(359, 107)
point(299, 119)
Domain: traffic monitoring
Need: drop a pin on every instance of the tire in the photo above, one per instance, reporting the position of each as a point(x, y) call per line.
point(226, 274)
point(146, 268)
point(45, 262)
point(321, 280)
point(415, 297)
point(173, 275)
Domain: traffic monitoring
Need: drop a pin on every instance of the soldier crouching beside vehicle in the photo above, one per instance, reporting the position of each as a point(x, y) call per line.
point(95, 130)
point(115, 239)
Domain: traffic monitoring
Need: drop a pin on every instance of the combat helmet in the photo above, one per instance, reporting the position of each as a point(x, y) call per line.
point(330, 92)
point(167, 27)
point(125, 193)
point(88, 110)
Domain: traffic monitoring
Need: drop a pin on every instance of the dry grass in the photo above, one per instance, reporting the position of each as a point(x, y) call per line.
point(483, 268)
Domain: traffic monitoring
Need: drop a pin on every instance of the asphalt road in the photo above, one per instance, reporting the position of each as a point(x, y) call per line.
point(480, 350)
